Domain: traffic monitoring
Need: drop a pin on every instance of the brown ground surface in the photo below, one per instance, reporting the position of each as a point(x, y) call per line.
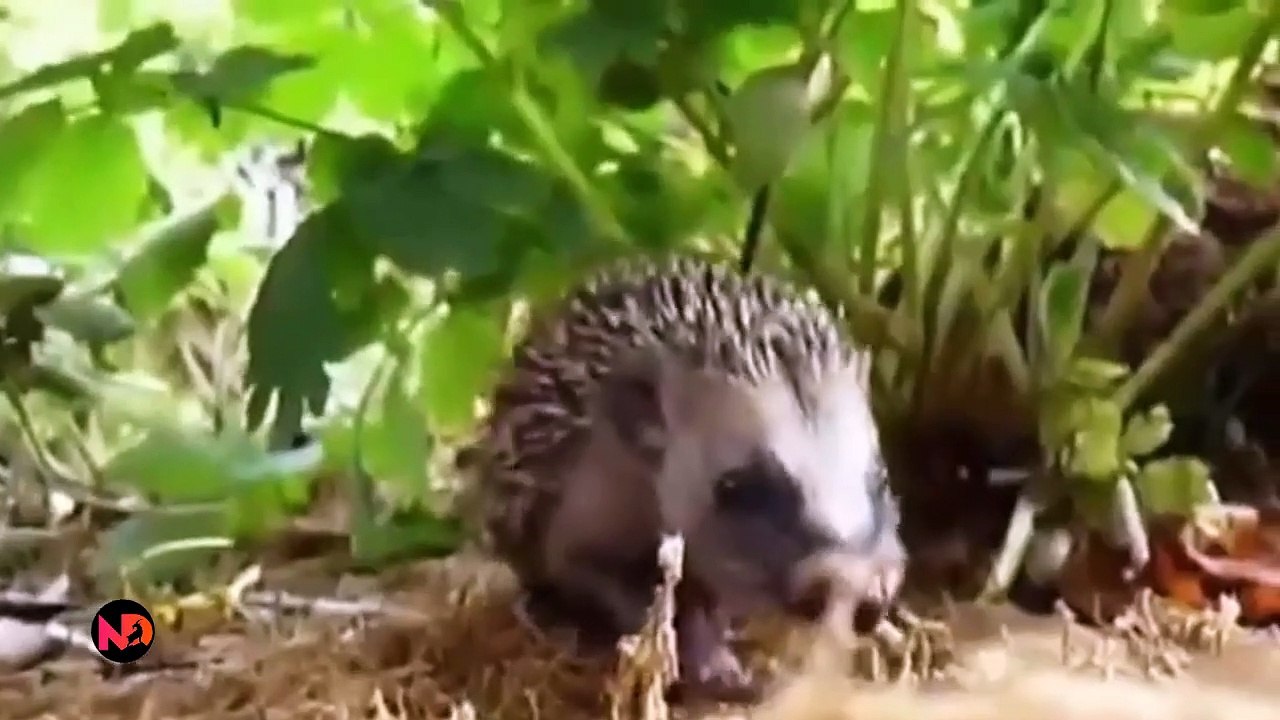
point(453, 641)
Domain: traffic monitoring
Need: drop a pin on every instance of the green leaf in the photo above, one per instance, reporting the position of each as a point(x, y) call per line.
point(769, 118)
point(162, 545)
point(1062, 305)
point(496, 180)
point(447, 213)
point(240, 74)
point(88, 319)
point(714, 18)
point(88, 187)
point(409, 536)
point(297, 301)
point(631, 85)
point(1252, 151)
point(282, 12)
point(459, 357)
point(819, 198)
point(167, 258)
point(396, 447)
point(606, 32)
point(1095, 454)
point(1147, 432)
point(1174, 485)
point(1094, 375)
point(24, 140)
point(66, 386)
point(140, 46)
point(337, 163)
point(1210, 34)
point(177, 466)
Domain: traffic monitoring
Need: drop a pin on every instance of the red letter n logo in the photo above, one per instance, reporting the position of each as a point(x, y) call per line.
point(129, 623)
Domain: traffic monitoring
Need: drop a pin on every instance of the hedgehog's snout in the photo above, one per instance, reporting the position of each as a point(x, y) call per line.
point(869, 583)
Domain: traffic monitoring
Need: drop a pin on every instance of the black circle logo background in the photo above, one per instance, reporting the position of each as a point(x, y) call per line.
point(112, 612)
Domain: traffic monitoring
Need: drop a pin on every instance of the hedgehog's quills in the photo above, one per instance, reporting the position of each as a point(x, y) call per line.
point(689, 399)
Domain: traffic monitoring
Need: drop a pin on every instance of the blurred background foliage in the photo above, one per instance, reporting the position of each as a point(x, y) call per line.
point(261, 252)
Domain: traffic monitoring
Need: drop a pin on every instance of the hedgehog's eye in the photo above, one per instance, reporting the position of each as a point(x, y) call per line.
point(755, 490)
point(742, 489)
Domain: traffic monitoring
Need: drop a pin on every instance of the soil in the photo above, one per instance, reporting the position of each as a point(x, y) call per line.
point(454, 647)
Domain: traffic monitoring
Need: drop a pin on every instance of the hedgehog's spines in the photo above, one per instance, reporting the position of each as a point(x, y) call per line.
point(750, 327)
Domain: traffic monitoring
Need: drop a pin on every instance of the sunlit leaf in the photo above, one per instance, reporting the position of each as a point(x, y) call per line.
point(1252, 152)
point(459, 357)
point(1147, 432)
point(1174, 486)
point(1095, 454)
point(1213, 31)
point(88, 186)
point(396, 446)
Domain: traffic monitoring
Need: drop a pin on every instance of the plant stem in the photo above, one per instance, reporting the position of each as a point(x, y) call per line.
point(710, 138)
point(886, 140)
point(1259, 258)
point(1138, 267)
point(542, 129)
point(282, 119)
point(755, 224)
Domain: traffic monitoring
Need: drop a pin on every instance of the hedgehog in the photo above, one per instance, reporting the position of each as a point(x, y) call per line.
point(680, 396)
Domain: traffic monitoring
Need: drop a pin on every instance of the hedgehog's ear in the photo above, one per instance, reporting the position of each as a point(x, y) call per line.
point(632, 403)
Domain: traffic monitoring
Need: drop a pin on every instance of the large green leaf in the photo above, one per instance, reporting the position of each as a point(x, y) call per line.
point(87, 188)
point(1174, 486)
point(296, 301)
point(167, 257)
point(447, 212)
point(24, 139)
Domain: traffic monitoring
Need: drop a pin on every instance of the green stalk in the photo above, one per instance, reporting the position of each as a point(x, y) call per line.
point(1138, 267)
point(888, 140)
point(450, 11)
point(1259, 258)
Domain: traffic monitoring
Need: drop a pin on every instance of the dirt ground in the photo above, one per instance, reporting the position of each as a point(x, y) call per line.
point(444, 644)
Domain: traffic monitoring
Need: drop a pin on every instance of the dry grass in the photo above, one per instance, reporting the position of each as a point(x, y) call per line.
point(468, 656)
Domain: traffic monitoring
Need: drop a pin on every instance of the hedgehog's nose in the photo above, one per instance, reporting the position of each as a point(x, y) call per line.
point(870, 583)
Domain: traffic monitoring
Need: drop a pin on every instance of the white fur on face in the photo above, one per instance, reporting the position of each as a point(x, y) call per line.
point(835, 455)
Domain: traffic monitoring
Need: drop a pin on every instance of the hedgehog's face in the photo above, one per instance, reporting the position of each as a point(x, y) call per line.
point(764, 490)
